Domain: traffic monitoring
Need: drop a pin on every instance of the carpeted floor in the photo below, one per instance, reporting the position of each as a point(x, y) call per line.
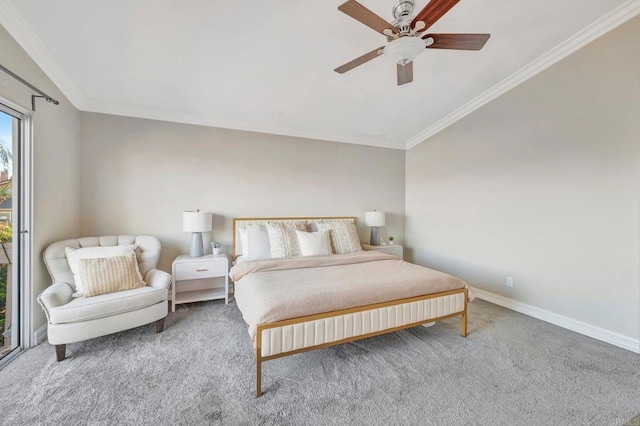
point(510, 370)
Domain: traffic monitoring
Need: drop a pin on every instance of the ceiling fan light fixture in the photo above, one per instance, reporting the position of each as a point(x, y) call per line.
point(404, 50)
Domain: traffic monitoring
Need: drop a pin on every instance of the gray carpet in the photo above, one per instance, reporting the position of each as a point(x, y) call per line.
point(511, 369)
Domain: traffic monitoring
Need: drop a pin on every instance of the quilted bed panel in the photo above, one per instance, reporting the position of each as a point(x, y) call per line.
point(289, 338)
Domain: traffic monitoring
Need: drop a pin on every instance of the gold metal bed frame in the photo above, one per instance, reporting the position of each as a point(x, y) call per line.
point(435, 303)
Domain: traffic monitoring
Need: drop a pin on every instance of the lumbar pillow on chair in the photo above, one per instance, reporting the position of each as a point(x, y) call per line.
point(75, 254)
point(110, 274)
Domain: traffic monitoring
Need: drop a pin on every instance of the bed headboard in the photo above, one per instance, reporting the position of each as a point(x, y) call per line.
point(243, 222)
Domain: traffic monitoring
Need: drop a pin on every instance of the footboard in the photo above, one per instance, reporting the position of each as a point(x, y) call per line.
point(282, 338)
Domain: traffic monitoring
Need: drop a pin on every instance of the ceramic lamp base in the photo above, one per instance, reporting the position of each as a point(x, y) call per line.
point(375, 236)
point(196, 249)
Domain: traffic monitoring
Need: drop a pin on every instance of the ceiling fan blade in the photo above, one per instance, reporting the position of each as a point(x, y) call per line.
point(457, 41)
point(433, 11)
point(360, 60)
point(405, 73)
point(367, 17)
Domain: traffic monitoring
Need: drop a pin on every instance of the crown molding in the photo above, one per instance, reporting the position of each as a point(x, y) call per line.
point(128, 110)
point(598, 28)
point(20, 30)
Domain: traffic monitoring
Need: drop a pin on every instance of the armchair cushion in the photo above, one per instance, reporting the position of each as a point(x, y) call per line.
point(106, 305)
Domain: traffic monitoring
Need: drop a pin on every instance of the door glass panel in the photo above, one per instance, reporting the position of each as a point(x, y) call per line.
point(9, 288)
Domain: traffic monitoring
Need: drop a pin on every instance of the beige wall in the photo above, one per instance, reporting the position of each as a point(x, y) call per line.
point(543, 184)
point(138, 176)
point(56, 192)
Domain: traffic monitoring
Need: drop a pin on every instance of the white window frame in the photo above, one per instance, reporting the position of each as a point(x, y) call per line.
point(22, 233)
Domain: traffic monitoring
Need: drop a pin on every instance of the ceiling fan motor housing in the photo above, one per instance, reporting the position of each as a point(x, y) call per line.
point(403, 8)
point(403, 14)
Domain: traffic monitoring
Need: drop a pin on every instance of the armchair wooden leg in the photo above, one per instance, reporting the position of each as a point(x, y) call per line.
point(160, 325)
point(60, 352)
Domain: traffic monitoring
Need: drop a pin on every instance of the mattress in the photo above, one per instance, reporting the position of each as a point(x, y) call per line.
point(271, 290)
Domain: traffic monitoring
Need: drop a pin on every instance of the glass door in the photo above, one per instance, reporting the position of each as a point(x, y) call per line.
point(10, 289)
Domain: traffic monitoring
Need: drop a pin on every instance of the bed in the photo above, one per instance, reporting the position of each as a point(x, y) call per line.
point(297, 304)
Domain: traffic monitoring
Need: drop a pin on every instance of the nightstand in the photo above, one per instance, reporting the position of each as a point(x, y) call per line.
point(199, 278)
point(393, 249)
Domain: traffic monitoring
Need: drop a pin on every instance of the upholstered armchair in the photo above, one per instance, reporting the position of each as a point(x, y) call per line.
point(72, 319)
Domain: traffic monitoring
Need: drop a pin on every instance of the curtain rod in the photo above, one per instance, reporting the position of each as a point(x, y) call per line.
point(40, 94)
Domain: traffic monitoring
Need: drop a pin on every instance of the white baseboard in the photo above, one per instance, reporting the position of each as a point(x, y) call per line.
point(40, 335)
point(615, 339)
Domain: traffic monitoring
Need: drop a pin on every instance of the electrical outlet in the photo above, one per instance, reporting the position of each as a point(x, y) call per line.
point(509, 281)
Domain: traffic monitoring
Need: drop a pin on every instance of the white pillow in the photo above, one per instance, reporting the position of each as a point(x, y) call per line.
point(75, 254)
point(244, 241)
point(240, 259)
point(258, 245)
point(314, 243)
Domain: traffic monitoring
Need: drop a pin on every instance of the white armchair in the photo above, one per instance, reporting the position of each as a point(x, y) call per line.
point(72, 319)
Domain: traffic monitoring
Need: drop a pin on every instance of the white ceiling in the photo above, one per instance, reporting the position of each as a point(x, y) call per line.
point(267, 66)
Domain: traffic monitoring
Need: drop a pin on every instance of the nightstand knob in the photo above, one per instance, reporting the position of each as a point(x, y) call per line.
point(201, 270)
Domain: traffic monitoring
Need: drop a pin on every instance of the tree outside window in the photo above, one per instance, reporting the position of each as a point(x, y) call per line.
point(6, 233)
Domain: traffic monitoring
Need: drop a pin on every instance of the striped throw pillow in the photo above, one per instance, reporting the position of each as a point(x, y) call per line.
point(344, 235)
point(283, 239)
point(110, 274)
point(75, 254)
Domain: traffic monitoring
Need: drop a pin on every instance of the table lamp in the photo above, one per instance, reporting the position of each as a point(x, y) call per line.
point(374, 219)
point(196, 222)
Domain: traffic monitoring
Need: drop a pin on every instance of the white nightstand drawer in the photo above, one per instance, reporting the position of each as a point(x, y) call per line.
point(196, 270)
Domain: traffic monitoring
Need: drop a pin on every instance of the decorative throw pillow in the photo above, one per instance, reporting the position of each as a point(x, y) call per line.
point(104, 275)
point(283, 239)
point(75, 254)
point(314, 243)
point(344, 236)
point(258, 246)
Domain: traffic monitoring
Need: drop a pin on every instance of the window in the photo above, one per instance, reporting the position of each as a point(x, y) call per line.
point(12, 300)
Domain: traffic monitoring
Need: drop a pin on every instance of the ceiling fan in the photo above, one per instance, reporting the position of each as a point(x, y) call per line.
point(406, 35)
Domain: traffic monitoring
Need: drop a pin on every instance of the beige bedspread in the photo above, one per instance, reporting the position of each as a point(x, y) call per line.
point(272, 290)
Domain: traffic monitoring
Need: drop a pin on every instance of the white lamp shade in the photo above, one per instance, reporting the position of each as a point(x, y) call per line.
point(374, 218)
point(196, 221)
